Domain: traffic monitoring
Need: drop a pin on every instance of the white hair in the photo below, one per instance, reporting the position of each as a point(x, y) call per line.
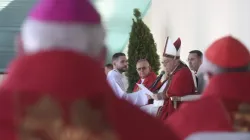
point(83, 38)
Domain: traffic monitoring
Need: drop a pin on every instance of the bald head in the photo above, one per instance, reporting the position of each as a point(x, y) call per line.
point(143, 68)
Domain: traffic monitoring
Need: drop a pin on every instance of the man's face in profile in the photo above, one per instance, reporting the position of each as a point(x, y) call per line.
point(121, 64)
point(194, 61)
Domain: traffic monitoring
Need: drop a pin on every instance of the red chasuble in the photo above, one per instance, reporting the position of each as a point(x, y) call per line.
point(179, 84)
point(52, 96)
point(148, 81)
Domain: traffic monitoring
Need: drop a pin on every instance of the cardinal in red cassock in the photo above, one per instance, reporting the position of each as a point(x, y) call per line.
point(226, 66)
point(50, 94)
point(147, 76)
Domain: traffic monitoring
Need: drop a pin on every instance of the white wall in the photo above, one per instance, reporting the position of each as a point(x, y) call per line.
point(198, 22)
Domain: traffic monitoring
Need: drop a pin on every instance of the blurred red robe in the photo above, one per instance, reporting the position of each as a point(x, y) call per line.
point(232, 89)
point(51, 96)
point(200, 116)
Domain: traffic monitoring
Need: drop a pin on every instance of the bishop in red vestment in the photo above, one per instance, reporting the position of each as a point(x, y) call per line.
point(226, 64)
point(147, 76)
point(49, 94)
point(180, 79)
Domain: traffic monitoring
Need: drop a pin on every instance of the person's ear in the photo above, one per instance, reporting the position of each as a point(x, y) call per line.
point(114, 63)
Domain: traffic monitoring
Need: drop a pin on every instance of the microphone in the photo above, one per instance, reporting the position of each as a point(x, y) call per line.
point(157, 80)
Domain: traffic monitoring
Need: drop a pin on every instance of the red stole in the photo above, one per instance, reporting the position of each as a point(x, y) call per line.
point(148, 81)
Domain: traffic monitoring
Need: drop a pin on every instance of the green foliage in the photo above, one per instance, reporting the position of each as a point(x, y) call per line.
point(141, 46)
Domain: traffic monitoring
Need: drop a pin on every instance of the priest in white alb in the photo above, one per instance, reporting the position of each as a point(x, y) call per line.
point(118, 82)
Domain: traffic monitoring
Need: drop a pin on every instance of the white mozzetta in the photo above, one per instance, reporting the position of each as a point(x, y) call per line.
point(37, 36)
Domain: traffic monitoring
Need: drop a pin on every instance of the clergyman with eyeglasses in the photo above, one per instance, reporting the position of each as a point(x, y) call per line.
point(147, 76)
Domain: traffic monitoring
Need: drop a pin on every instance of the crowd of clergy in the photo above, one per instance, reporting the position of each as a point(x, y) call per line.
point(56, 87)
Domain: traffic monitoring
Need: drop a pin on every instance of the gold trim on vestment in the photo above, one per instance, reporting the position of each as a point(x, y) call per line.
point(44, 121)
point(242, 118)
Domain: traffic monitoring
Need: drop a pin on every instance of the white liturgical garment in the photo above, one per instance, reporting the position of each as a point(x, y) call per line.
point(114, 77)
point(118, 82)
point(152, 109)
